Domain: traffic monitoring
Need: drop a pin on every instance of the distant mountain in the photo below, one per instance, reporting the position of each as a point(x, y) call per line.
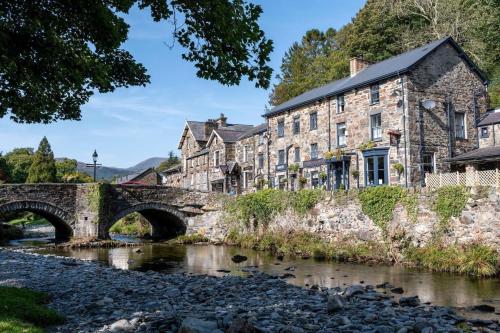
point(105, 172)
point(152, 162)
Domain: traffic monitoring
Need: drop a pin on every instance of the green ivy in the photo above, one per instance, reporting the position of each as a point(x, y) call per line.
point(410, 201)
point(379, 202)
point(262, 205)
point(97, 196)
point(449, 201)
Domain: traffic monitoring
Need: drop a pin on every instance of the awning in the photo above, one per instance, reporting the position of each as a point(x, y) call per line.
point(487, 154)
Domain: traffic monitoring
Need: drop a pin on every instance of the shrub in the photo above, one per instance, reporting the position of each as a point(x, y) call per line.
point(449, 201)
point(399, 168)
point(379, 202)
point(304, 200)
point(293, 168)
point(191, 239)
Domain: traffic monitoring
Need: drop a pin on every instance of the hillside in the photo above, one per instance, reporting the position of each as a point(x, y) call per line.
point(107, 172)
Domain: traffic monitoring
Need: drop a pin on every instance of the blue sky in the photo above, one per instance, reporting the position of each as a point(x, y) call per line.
point(132, 124)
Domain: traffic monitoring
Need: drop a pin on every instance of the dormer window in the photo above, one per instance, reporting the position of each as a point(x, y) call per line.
point(374, 93)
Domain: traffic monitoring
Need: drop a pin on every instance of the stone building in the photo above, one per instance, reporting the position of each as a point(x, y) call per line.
point(208, 155)
point(146, 177)
point(387, 123)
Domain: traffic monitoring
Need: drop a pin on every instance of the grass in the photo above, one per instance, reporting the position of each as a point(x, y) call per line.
point(474, 259)
point(29, 220)
point(23, 311)
point(306, 244)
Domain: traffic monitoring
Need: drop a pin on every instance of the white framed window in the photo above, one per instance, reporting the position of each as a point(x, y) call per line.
point(429, 162)
point(216, 158)
point(340, 103)
point(281, 157)
point(245, 153)
point(341, 137)
point(281, 128)
point(376, 126)
point(374, 93)
point(460, 129)
point(314, 151)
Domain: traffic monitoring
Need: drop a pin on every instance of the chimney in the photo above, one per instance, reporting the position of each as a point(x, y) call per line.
point(357, 64)
point(222, 121)
point(210, 125)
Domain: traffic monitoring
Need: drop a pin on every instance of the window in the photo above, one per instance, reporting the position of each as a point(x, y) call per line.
point(313, 121)
point(245, 153)
point(261, 139)
point(296, 154)
point(374, 94)
point(192, 179)
point(341, 140)
point(340, 103)
point(215, 140)
point(459, 125)
point(314, 151)
point(216, 159)
point(281, 128)
point(315, 179)
point(281, 157)
point(296, 125)
point(376, 126)
point(261, 161)
point(484, 132)
point(281, 182)
point(428, 162)
point(376, 169)
point(247, 178)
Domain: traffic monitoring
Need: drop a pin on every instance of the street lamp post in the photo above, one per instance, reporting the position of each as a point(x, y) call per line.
point(94, 164)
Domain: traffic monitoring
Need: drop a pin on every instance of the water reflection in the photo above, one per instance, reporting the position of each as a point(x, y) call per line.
point(440, 289)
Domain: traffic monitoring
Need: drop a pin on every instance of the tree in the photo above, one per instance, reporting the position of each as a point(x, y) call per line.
point(56, 54)
point(4, 170)
point(384, 28)
point(43, 168)
point(76, 177)
point(64, 167)
point(19, 161)
point(169, 162)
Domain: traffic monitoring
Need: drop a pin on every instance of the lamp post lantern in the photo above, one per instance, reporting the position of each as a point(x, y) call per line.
point(94, 164)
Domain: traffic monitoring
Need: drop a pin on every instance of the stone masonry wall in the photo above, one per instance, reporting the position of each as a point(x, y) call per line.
point(345, 221)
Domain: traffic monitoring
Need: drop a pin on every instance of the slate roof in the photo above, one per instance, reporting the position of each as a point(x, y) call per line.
point(132, 177)
point(481, 154)
point(491, 118)
point(255, 130)
point(198, 130)
point(230, 135)
point(376, 72)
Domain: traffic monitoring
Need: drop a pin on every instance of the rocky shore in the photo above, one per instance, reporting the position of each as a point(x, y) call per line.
point(97, 298)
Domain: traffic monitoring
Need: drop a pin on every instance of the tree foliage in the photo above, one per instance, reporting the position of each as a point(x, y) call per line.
point(43, 168)
point(18, 164)
point(64, 167)
point(4, 170)
point(171, 161)
point(384, 28)
point(56, 54)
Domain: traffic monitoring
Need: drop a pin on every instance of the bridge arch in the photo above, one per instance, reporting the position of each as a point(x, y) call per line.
point(167, 222)
point(55, 215)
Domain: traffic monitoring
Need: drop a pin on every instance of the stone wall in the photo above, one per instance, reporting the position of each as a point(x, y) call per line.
point(343, 220)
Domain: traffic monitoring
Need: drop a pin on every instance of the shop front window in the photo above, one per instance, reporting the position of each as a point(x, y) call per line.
point(376, 167)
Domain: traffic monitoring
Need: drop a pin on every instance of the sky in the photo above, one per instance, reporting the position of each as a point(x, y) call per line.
point(132, 124)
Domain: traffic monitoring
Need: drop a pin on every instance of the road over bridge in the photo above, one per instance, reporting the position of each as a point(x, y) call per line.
point(90, 210)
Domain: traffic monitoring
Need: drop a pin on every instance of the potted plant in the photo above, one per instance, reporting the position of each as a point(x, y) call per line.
point(323, 176)
point(355, 173)
point(328, 155)
point(367, 145)
point(293, 168)
point(302, 181)
point(399, 168)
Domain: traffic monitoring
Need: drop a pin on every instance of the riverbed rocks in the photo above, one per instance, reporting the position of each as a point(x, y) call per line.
point(98, 298)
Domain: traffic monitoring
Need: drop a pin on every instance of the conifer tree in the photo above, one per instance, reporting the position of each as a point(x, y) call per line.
point(43, 168)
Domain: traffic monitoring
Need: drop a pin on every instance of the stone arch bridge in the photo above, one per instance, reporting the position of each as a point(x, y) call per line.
point(89, 210)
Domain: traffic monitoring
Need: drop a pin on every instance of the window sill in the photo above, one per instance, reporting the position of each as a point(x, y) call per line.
point(376, 139)
point(374, 103)
point(341, 146)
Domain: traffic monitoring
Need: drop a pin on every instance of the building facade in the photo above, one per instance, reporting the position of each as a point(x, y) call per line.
point(388, 123)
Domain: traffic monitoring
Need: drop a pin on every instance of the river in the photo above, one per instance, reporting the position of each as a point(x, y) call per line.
point(436, 288)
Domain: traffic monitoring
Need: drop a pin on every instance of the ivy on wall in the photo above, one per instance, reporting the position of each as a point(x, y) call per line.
point(379, 202)
point(449, 201)
point(96, 196)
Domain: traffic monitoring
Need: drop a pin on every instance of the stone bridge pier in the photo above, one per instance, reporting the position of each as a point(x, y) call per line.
point(90, 210)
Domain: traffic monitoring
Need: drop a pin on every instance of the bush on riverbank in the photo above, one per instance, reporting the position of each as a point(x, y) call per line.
point(133, 224)
point(190, 239)
point(23, 311)
point(474, 259)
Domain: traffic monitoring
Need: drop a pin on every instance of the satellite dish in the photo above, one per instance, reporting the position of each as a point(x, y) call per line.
point(428, 104)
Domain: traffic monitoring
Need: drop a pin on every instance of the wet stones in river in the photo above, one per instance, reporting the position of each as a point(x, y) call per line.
point(354, 290)
point(223, 271)
point(287, 276)
point(397, 290)
point(483, 308)
point(195, 325)
point(239, 258)
point(335, 303)
point(409, 301)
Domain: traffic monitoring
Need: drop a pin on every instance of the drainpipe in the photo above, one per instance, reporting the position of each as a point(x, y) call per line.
point(357, 168)
point(448, 113)
point(474, 109)
point(401, 79)
point(268, 141)
point(287, 150)
point(329, 126)
point(421, 143)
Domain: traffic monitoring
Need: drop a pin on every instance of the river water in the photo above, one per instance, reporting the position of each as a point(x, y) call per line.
point(437, 288)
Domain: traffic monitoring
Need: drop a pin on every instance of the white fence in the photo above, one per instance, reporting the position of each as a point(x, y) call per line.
point(471, 178)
